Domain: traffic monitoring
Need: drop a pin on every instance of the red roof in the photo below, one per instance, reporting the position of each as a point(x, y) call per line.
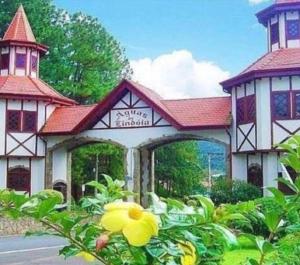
point(19, 29)
point(27, 87)
point(65, 119)
point(203, 112)
point(282, 60)
point(185, 114)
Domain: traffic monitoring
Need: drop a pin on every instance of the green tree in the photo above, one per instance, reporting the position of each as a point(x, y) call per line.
point(110, 160)
point(177, 169)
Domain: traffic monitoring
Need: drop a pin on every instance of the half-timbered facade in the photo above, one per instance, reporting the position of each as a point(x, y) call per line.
point(39, 128)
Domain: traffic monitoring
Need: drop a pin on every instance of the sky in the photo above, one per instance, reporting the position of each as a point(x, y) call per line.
point(182, 48)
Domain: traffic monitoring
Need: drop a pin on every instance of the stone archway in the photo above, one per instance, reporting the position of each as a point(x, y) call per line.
point(59, 159)
point(147, 159)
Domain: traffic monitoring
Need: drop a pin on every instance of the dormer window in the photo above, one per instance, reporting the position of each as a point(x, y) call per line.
point(34, 63)
point(275, 33)
point(293, 29)
point(4, 61)
point(20, 61)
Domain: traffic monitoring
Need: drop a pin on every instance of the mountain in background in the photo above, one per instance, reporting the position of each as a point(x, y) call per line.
point(217, 152)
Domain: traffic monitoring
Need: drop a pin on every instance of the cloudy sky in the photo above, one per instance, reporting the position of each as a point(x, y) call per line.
point(182, 48)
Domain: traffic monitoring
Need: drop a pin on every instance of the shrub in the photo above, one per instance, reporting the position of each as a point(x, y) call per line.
point(228, 191)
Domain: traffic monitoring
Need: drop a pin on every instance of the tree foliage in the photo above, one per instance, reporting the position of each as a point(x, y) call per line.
point(177, 168)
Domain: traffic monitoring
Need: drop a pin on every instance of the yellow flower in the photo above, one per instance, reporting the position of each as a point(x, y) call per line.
point(189, 257)
point(86, 256)
point(137, 225)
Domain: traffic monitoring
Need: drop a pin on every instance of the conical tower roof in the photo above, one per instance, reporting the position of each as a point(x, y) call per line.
point(19, 29)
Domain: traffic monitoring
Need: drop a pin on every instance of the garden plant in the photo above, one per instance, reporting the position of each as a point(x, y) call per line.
point(109, 229)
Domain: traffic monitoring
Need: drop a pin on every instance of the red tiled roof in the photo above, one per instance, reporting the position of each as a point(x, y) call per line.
point(279, 60)
point(65, 119)
point(25, 86)
point(206, 112)
point(186, 114)
point(19, 29)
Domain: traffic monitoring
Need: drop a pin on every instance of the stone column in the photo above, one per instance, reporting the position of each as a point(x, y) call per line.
point(147, 175)
point(69, 179)
point(132, 174)
point(228, 160)
point(49, 170)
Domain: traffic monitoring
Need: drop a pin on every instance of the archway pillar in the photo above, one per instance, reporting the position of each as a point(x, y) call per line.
point(69, 179)
point(132, 169)
point(147, 174)
point(49, 170)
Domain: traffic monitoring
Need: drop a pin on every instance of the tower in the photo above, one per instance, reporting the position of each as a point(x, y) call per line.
point(266, 98)
point(26, 102)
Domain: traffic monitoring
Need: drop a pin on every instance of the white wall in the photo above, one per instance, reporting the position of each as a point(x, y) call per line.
point(3, 169)
point(37, 175)
point(239, 167)
point(59, 165)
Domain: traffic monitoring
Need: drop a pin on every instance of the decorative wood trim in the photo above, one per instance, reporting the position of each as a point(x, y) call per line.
point(246, 137)
point(21, 144)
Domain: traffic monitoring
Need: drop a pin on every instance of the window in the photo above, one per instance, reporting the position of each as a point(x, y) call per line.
point(29, 121)
point(21, 121)
point(18, 179)
point(281, 105)
point(293, 29)
point(246, 110)
point(274, 33)
point(20, 60)
point(13, 121)
point(34, 62)
point(296, 107)
point(4, 61)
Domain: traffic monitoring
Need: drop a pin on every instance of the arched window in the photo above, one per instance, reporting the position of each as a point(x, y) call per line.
point(61, 187)
point(18, 179)
point(255, 175)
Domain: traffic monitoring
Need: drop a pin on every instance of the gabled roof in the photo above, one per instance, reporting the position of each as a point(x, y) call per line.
point(27, 87)
point(19, 29)
point(65, 119)
point(187, 114)
point(206, 112)
point(279, 62)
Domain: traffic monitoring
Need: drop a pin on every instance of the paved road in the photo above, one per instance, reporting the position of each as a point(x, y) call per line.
point(33, 251)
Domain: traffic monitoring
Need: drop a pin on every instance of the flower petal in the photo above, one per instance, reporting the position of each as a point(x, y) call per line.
point(115, 221)
point(188, 260)
point(86, 256)
point(138, 233)
point(122, 206)
point(152, 221)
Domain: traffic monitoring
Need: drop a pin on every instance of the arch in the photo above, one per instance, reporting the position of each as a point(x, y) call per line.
point(255, 175)
point(75, 142)
point(152, 144)
point(19, 179)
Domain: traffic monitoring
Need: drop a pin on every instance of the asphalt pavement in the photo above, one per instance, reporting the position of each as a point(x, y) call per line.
point(43, 250)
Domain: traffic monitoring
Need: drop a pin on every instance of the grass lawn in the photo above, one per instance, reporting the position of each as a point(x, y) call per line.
point(239, 256)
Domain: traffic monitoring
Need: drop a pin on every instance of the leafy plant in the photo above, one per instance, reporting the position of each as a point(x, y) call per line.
point(115, 232)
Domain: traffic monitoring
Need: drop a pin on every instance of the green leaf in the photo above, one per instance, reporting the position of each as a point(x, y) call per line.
point(279, 196)
point(96, 185)
point(46, 206)
point(272, 221)
point(228, 236)
point(139, 255)
point(208, 206)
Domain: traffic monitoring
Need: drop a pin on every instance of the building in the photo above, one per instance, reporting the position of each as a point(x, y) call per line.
point(39, 128)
